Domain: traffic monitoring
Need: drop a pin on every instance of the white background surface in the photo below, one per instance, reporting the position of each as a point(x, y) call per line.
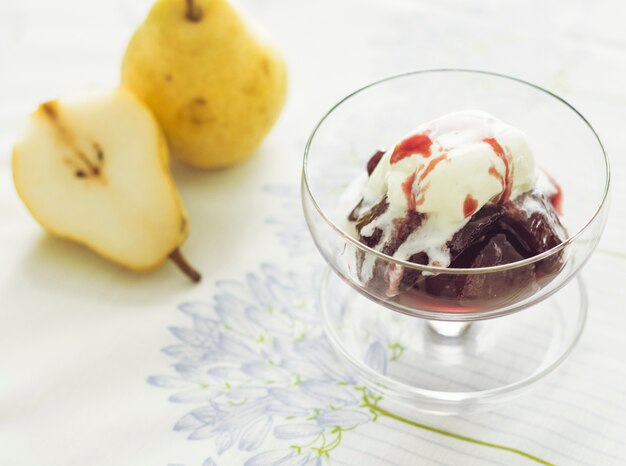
point(78, 337)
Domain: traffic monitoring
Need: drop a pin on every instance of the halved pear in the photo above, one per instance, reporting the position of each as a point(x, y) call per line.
point(95, 171)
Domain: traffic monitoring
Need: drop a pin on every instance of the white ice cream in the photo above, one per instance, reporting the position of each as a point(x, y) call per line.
point(448, 169)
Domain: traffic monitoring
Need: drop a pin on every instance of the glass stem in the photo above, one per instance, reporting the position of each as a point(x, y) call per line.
point(448, 329)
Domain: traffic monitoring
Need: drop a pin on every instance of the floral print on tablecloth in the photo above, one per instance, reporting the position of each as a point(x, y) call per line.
point(255, 365)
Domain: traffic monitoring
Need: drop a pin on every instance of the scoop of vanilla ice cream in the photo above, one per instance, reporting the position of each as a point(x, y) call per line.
point(450, 167)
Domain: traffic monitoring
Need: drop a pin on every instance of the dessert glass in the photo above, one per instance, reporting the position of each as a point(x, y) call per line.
point(435, 353)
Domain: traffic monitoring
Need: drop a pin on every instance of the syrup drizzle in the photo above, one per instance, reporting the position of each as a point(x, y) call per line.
point(469, 206)
point(493, 171)
point(422, 194)
point(407, 185)
point(415, 144)
point(407, 188)
point(431, 166)
point(507, 182)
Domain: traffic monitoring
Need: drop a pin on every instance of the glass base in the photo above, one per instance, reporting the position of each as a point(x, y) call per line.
point(448, 367)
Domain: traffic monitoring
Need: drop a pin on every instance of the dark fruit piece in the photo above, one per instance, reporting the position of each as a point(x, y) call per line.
point(387, 278)
point(371, 241)
point(497, 251)
point(354, 214)
point(411, 276)
point(475, 229)
point(372, 163)
point(372, 213)
point(535, 233)
point(529, 234)
point(402, 228)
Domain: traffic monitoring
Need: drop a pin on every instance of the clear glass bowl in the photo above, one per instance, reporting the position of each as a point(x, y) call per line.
point(565, 146)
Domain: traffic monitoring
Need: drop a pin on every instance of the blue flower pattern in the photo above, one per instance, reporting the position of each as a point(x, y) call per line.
point(255, 363)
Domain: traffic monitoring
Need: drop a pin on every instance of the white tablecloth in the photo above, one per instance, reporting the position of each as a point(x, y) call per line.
point(101, 366)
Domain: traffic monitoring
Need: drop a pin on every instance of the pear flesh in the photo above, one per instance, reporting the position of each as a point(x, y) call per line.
point(95, 171)
point(215, 86)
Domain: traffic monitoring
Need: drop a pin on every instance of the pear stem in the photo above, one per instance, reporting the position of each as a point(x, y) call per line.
point(193, 12)
point(177, 257)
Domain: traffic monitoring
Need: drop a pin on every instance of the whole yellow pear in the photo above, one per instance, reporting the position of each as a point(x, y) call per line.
point(214, 86)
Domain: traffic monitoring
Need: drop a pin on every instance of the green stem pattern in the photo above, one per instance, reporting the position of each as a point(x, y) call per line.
point(377, 410)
